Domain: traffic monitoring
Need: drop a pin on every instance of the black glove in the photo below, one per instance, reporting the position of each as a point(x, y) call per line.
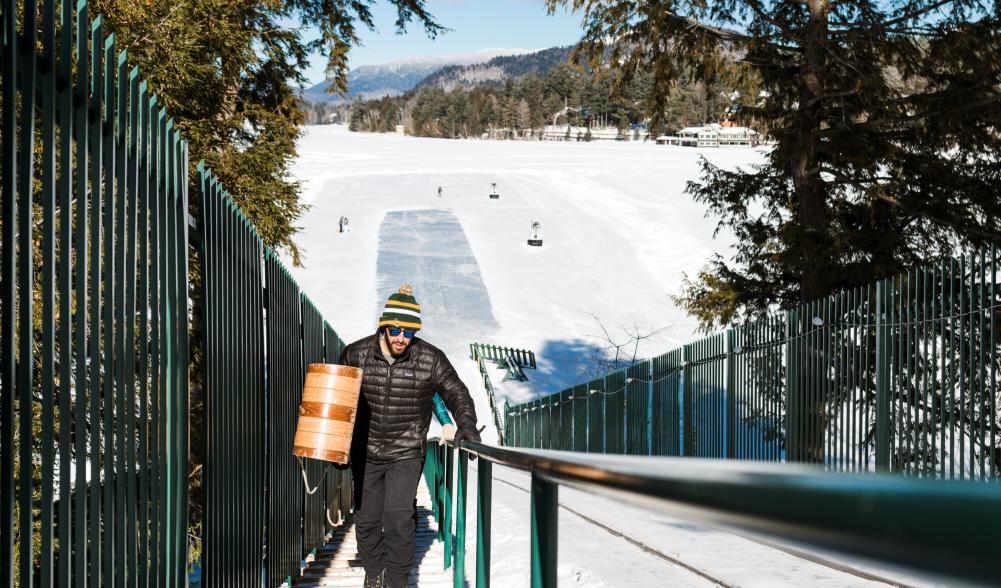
point(466, 433)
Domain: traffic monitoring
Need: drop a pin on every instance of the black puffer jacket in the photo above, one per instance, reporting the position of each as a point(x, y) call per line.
point(394, 410)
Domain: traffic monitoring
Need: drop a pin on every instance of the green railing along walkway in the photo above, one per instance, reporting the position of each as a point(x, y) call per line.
point(512, 359)
point(94, 397)
point(151, 361)
point(898, 376)
point(521, 357)
point(945, 528)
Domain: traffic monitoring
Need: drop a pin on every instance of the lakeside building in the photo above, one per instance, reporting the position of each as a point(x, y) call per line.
point(578, 133)
point(713, 135)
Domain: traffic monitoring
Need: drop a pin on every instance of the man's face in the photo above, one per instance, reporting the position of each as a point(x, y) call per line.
point(396, 344)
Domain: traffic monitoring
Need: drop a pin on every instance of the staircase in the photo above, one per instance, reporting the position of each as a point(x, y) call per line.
point(337, 563)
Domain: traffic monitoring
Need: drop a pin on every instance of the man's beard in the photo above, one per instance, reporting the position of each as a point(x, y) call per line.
point(392, 350)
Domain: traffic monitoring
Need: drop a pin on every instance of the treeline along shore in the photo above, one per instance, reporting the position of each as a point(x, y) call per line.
point(521, 108)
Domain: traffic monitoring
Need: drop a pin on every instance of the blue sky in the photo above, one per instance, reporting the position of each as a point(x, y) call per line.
point(475, 24)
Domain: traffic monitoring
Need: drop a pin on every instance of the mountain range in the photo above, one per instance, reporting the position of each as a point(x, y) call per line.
point(495, 71)
point(398, 77)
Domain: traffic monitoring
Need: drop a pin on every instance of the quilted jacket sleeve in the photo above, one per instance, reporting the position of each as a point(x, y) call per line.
point(440, 412)
point(454, 393)
point(347, 357)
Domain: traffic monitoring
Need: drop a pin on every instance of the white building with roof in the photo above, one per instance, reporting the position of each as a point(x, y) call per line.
point(713, 135)
point(578, 133)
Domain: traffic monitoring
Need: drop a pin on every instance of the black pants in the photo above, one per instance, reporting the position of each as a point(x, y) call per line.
point(385, 519)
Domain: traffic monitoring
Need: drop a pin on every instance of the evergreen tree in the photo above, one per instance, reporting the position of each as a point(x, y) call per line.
point(510, 115)
point(562, 81)
point(534, 96)
point(885, 122)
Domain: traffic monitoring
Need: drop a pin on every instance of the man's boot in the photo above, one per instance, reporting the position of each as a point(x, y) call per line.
point(374, 580)
point(396, 580)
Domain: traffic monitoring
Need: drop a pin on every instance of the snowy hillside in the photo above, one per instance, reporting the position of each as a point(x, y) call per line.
point(498, 69)
point(617, 230)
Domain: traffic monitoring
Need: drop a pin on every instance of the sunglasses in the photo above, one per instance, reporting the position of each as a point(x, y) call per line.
point(395, 331)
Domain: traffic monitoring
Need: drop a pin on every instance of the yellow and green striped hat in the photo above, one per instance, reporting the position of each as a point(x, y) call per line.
point(402, 310)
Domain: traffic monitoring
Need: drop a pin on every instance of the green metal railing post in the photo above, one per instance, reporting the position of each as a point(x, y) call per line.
point(429, 478)
point(687, 403)
point(25, 278)
point(508, 437)
point(119, 317)
point(48, 275)
point(731, 399)
point(81, 105)
point(882, 379)
point(484, 480)
point(459, 573)
point(449, 465)
point(545, 501)
point(8, 320)
point(792, 389)
point(439, 488)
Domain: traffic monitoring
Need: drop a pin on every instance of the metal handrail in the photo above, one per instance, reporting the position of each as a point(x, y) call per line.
point(491, 397)
point(523, 357)
point(932, 526)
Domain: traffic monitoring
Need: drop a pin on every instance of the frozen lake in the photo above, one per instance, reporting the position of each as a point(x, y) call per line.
point(428, 250)
point(618, 234)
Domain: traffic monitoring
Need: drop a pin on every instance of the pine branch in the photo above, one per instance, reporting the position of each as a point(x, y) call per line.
point(760, 11)
point(916, 14)
point(963, 228)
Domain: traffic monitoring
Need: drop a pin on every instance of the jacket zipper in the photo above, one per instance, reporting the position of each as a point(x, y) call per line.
point(385, 403)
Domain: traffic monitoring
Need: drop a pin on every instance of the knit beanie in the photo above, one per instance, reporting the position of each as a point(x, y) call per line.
point(402, 310)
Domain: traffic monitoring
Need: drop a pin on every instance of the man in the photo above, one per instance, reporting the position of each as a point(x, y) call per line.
point(401, 375)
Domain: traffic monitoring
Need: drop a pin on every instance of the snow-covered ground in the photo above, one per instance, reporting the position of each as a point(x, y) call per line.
point(618, 232)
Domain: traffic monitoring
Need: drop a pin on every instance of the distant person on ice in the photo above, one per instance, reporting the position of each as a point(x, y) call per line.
point(401, 375)
point(439, 191)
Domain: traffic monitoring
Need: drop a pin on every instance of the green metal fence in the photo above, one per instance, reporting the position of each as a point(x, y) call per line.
point(756, 379)
point(637, 402)
point(336, 482)
point(703, 391)
point(900, 375)
point(261, 335)
point(285, 394)
point(314, 504)
point(96, 296)
point(665, 403)
point(93, 384)
point(235, 475)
